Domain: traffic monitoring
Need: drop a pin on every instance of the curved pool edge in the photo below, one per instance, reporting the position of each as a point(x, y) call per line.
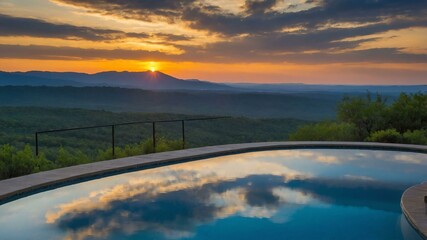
point(414, 208)
point(15, 188)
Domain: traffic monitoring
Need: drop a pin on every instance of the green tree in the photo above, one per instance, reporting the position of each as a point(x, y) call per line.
point(404, 121)
point(22, 162)
point(408, 112)
point(366, 114)
point(41, 163)
point(66, 159)
point(6, 155)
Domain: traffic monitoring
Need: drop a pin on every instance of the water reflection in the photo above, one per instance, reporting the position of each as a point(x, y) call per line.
point(276, 189)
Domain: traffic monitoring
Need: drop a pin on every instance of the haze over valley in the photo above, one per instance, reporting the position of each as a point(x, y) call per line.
point(154, 91)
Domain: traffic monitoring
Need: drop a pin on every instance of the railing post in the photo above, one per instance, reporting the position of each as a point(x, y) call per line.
point(183, 134)
point(113, 139)
point(37, 143)
point(154, 136)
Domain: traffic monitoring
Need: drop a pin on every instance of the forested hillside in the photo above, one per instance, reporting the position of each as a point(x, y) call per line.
point(18, 124)
point(373, 118)
point(360, 118)
point(308, 106)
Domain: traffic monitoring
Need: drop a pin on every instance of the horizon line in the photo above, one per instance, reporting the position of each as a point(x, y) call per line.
point(219, 82)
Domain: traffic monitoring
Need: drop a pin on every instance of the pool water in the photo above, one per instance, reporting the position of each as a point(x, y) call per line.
point(281, 194)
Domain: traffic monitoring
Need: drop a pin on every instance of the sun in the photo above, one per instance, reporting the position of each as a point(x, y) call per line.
point(152, 66)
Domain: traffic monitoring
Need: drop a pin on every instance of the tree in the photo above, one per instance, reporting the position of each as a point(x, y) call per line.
point(366, 114)
point(408, 112)
point(6, 154)
point(22, 162)
point(367, 119)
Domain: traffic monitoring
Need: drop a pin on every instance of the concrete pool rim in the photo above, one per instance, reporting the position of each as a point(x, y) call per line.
point(414, 207)
point(19, 187)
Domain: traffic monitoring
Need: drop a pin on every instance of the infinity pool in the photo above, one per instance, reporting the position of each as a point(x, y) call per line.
point(282, 194)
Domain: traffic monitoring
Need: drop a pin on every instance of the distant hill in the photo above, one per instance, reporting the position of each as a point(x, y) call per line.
point(306, 106)
point(12, 79)
point(159, 81)
point(300, 87)
point(142, 80)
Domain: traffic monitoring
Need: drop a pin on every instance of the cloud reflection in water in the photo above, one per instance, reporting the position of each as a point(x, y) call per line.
point(174, 200)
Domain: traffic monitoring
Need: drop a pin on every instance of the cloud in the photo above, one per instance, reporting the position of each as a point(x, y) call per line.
point(74, 53)
point(173, 212)
point(329, 31)
point(149, 10)
point(329, 42)
point(18, 26)
point(380, 55)
point(178, 211)
point(257, 16)
point(173, 37)
point(254, 7)
point(174, 200)
point(201, 192)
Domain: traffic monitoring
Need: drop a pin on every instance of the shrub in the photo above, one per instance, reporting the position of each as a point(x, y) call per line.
point(386, 136)
point(41, 163)
point(415, 137)
point(15, 162)
point(168, 145)
point(325, 131)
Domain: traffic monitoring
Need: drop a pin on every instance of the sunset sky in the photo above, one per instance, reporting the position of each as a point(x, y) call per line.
point(269, 41)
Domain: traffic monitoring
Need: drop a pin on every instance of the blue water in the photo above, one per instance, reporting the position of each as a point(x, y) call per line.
point(283, 194)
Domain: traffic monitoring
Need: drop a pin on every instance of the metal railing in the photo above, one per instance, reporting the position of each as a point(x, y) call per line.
point(113, 126)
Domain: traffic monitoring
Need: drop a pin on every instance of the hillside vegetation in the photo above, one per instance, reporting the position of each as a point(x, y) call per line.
point(373, 119)
point(18, 124)
point(307, 106)
point(359, 118)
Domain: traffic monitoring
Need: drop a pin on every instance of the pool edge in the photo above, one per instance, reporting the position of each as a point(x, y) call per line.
point(15, 188)
point(414, 208)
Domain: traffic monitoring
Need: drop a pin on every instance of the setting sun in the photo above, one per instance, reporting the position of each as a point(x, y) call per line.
point(152, 66)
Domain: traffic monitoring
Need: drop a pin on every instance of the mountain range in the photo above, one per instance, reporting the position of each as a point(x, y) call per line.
point(160, 81)
point(142, 80)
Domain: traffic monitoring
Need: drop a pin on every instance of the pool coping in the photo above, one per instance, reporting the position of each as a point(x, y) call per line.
point(15, 188)
point(414, 208)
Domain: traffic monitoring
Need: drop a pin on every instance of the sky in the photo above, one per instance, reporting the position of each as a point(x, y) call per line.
point(260, 41)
